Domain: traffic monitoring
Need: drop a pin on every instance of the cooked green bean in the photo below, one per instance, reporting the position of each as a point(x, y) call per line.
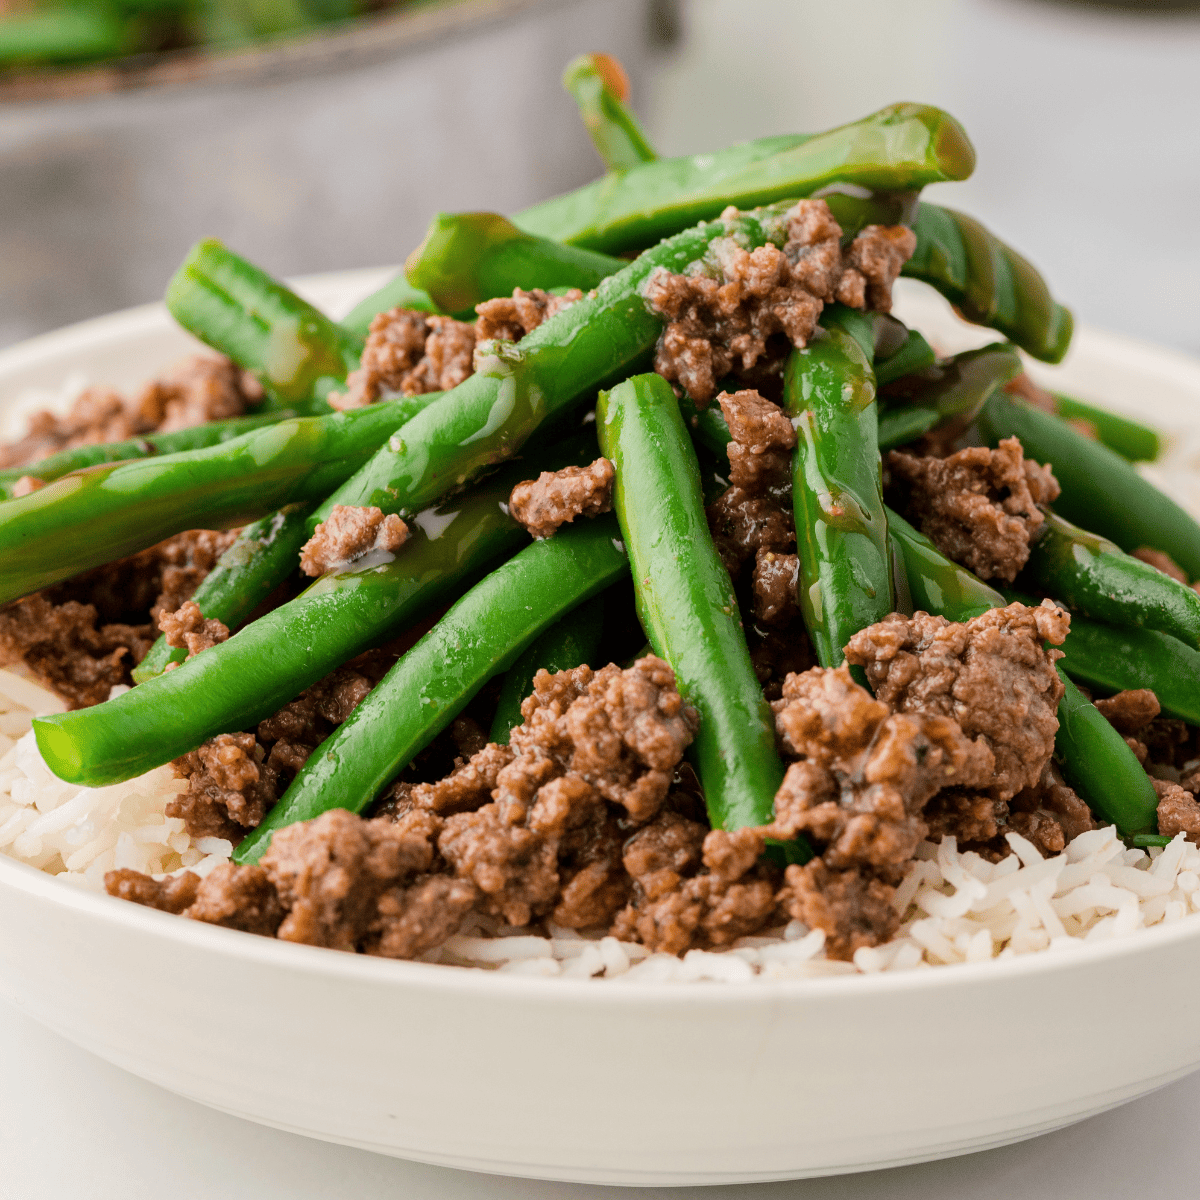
point(1095, 577)
point(686, 600)
point(1101, 767)
point(1100, 489)
point(1137, 443)
point(893, 362)
point(845, 574)
point(79, 458)
point(599, 87)
point(989, 282)
point(899, 148)
point(478, 637)
point(297, 353)
point(570, 642)
point(469, 257)
point(237, 683)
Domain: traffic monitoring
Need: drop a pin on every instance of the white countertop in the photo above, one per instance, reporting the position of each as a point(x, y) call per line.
point(73, 1126)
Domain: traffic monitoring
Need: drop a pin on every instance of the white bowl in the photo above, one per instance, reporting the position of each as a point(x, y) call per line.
point(630, 1083)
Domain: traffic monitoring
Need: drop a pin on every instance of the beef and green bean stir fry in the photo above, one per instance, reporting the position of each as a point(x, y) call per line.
point(624, 564)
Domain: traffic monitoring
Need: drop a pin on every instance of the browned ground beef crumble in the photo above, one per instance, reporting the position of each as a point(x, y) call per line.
point(82, 636)
point(188, 627)
point(979, 506)
point(721, 317)
point(349, 532)
point(510, 318)
point(194, 391)
point(555, 498)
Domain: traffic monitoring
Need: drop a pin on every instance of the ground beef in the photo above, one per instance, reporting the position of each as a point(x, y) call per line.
point(1129, 712)
point(409, 353)
point(1050, 813)
point(510, 318)
point(991, 674)
point(762, 440)
point(854, 907)
point(172, 894)
point(27, 485)
point(196, 390)
point(349, 532)
point(230, 787)
point(743, 524)
point(81, 637)
point(468, 787)
point(979, 506)
point(557, 497)
point(1178, 811)
point(720, 318)
point(237, 897)
point(777, 653)
point(865, 773)
point(188, 627)
point(776, 577)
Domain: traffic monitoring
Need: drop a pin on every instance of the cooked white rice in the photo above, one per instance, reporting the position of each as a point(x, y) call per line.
point(957, 907)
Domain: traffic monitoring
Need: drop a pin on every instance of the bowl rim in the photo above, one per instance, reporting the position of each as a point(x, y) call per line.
point(332, 288)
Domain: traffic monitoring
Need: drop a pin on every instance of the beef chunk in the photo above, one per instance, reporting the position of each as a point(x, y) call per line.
point(557, 497)
point(238, 897)
point(853, 907)
point(172, 894)
point(743, 524)
point(991, 674)
point(973, 818)
point(1178, 811)
point(349, 532)
point(230, 788)
point(331, 872)
point(188, 627)
point(409, 353)
point(510, 318)
point(762, 440)
point(721, 318)
point(416, 918)
point(468, 787)
point(775, 580)
point(865, 773)
point(777, 653)
point(1129, 712)
point(979, 506)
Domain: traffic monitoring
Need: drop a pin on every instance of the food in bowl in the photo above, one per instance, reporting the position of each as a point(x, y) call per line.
point(830, 734)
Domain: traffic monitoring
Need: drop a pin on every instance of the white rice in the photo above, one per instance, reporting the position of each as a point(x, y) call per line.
point(956, 907)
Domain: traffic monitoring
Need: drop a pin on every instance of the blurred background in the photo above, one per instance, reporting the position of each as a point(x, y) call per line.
point(313, 135)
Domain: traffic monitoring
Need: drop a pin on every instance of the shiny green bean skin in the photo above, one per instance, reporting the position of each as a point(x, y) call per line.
point(845, 573)
point(93, 517)
point(1137, 443)
point(899, 148)
point(913, 354)
point(1095, 577)
point(1115, 659)
point(396, 293)
point(79, 458)
point(936, 584)
point(1100, 489)
point(570, 642)
point(481, 635)
point(297, 353)
point(598, 86)
point(1101, 767)
point(467, 258)
point(899, 426)
point(988, 281)
point(264, 554)
point(686, 600)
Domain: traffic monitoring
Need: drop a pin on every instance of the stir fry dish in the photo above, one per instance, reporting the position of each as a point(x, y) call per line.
point(624, 566)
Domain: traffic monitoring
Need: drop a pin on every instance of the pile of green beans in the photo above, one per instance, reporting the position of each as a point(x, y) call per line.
point(447, 462)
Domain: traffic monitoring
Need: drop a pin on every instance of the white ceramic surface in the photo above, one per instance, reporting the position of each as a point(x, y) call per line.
point(592, 1081)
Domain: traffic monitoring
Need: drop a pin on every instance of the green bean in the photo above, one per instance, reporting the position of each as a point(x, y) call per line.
point(267, 550)
point(1095, 577)
point(845, 575)
point(1095, 758)
point(586, 345)
point(297, 353)
point(1143, 841)
point(1137, 443)
point(1099, 488)
point(954, 389)
point(686, 600)
point(470, 257)
point(396, 293)
point(900, 148)
point(237, 683)
point(92, 517)
point(893, 362)
point(570, 642)
point(600, 88)
point(480, 636)
point(989, 282)
point(79, 458)
point(1118, 659)
point(1101, 767)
